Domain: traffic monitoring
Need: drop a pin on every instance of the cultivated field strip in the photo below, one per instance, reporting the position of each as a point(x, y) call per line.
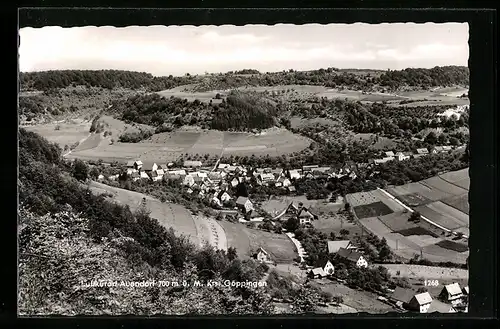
point(447, 210)
point(455, 176)
point(444, 220)
point(460, 202)
point(440, 184)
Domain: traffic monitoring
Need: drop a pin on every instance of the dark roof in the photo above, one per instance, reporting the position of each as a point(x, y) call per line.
point(349, 254)
point(402, 295)
point(148, 165)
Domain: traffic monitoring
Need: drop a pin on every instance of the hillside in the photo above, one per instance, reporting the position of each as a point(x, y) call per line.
point(86, 237)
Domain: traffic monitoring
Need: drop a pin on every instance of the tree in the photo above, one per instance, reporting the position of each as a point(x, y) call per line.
point(347, 206)
point(278, 228)
point(231, 253)
point(431, 138)
point(344, 232)
point(94, 173)
point(384, 253)
point(292, 224)
point(421, 290)
point(80, 170)
point(414, 217)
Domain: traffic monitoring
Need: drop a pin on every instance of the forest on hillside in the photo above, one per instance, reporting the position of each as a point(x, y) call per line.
point(330, 77)
point(109, 79)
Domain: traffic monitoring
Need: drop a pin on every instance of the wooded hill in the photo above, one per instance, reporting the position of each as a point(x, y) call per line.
point(330, 77)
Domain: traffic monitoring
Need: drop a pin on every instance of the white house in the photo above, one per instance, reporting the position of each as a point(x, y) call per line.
point(188, 180)
point(452, 293)
point(421, 152)
point(334, 246)
point(134, 164)
point(222, 166)
point(234, 182)
point(400, 156)
point(143, 175)
point(309, 168)
point(389, 154)
point(261, 255)
point(420, 302)
point(216, 201)
point(353, 256)
point(192, 164)
point(317, 273)
point(294, 174)
point(244, 204)
point(265, 179)
point(157, 175)
point(224, 196)
point(305, 216)
point(328, 267)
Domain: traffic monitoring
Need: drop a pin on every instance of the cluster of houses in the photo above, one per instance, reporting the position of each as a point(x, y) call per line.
point(402, 156)
point(452, 299)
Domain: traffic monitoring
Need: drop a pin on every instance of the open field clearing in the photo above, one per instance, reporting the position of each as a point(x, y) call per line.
point(413, 200)
point(444, 220)
point(397, 221)
point(89, 143)
point(360, 199)
point(335, 224)
point(460, 202)
point(427, 272)
point(209, 142)
point(204, 97)
point(447, 210)
point(374, 225)
point(452, 245)
point(423, 240)
point(246, 241)
point(446, 254)
point(372, 210)
point(455, 176)
point(420, 189)
point(120, 152)
point(393, 205)
point(167, 214)
point(117, 127)
point(362, 301)
point(178, 139)
point(440, 184)
point(62, 133)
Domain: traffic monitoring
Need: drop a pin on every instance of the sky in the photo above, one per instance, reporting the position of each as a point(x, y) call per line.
point(177, 50)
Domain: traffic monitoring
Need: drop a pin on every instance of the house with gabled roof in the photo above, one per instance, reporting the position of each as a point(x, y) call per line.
point(389, 154)
point(352, 256)
point(327, 266)
point(265, 179)
point(334, 246)
point(261, 255)
point(157, 175)
point(149, 166)
point(244, 204)
point(223, 165)
point(223, 196)
point(135, 176)
point(465, 290)
point(294, 174)
point(309, 168)
point(401, 296)
point(192, 164)
point(292, 189)
point(420, 302)
point(451, 293)
point(400, 156)
point(134, 164)
point(305, 215)
point(188, 180)
point(317, 273)
point(421, 152)
point(143, 175)
point(234, 182)
point(283, 182)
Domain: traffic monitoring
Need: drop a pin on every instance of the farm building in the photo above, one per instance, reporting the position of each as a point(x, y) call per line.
point(451, 293)
point(400, 156)
point(278, 172)
point(283, 182)
point(291, 189)
point(327, 267)
point(389, 154)
point(188, 180)
point(157, 175)
point(265, 179)
point(353, 256)
point(216, 201)
point(135, 164)
point(334, 246)
point(305, 216)
point(465, 290)
point(317, 273)
point(294, 174)
point(149, 166)
point(223, 196)
point(401, 297)
point(421, 152)
point(192, 164)
point(309, 168)
point(223, 165)
point(234, 182)
point(420, 302)
point(244, 204)
point(261, 255)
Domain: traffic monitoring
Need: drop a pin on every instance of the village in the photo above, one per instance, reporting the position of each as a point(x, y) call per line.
point(216, 185)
